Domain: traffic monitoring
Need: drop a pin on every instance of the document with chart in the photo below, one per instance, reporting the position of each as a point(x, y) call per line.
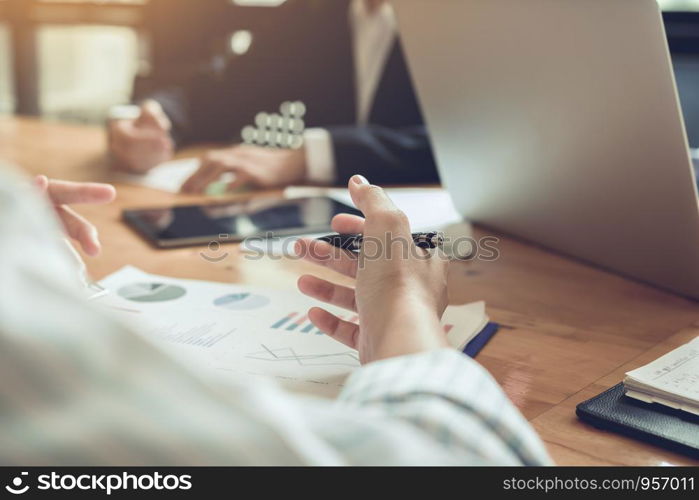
point(229, 330)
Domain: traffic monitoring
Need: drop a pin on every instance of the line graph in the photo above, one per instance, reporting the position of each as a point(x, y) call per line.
point(289, 355)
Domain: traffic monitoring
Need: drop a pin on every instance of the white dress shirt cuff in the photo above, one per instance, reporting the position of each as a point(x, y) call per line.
point(124, 112)
point(320, 158)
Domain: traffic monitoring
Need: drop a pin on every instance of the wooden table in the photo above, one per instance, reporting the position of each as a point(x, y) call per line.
point(568, 332)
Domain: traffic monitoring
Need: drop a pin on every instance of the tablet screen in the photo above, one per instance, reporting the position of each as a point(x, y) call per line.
point(197, 224)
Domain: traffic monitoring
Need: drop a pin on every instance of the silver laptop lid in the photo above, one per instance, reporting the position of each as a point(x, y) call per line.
point(558, 121)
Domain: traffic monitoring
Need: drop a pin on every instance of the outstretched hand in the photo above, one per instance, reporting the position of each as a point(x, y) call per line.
point(400, 291)
point(64, 193)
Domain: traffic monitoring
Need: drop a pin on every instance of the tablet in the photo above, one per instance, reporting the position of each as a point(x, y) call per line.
point(231, 222)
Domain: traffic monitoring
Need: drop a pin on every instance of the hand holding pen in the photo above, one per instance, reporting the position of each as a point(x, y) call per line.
point(398, 301)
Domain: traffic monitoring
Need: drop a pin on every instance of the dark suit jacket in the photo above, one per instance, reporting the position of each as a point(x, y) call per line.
point(303, 51)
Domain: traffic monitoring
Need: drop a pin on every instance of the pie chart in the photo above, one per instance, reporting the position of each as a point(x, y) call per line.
point(151, 292)
point(241, 301)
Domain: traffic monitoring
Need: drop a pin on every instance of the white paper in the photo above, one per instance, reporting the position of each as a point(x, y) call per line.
point(229, 332)
point(427, 208)
point(463, 323)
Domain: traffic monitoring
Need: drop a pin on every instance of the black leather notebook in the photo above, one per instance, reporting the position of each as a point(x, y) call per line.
point(652, 423)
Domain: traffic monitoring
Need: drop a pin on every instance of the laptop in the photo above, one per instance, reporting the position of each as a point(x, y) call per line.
point(558, 121)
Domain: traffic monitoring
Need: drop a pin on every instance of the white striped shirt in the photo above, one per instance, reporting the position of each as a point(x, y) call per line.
point(79, 388)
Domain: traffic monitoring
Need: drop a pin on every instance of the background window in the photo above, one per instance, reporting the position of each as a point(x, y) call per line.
point(83, 70)
point(7, 102)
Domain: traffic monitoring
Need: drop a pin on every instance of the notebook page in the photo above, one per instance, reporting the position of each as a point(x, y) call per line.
point(676, 373)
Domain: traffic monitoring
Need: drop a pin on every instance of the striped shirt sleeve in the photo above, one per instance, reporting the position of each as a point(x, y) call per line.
point(453, 399)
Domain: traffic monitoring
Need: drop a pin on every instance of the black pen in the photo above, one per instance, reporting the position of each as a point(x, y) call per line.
point(353, 242)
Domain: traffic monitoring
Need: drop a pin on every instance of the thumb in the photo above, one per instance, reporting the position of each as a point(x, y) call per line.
point(152, 115)
point(382, 216)
point(371, 200)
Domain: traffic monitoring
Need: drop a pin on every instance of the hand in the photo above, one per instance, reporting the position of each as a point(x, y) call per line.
point(63, 193)
point(400, 293)
point(141, 144)
point(252, 165)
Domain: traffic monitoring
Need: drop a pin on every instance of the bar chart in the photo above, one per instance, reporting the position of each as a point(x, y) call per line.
point(299, 322)
point(295, 321)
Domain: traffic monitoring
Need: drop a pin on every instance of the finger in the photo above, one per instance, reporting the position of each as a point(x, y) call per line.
point(144, 138)
point(247, 170)
point(341, 330)
point(369, 198)
point(121, 142)
point(330, 293)
point(80, 230)
point(128, 139)
point(68, 193)
point(152, 115)
point(120, 130)
point(125, 132)
point(139, 156)
point(41, 182)
point(206, 174)
point(242, 178)
point(348, 224)
point(382, 216)
point(324, 254)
